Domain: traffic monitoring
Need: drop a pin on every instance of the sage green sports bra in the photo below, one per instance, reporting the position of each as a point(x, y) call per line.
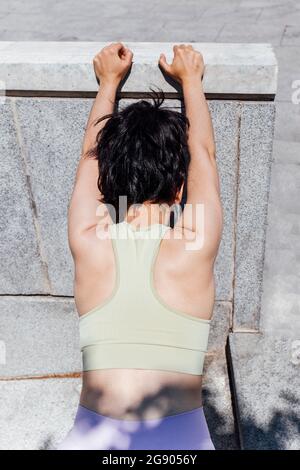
point(134, 328)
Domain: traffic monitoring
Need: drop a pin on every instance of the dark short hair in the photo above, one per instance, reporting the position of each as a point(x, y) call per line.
point(142, 153)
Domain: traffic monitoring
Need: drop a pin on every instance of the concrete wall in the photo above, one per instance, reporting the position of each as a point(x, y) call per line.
point(42, 122)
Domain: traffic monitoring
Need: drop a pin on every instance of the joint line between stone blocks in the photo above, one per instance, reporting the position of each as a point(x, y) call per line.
point(236, 214)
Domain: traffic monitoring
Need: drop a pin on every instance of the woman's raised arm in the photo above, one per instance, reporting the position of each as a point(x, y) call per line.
point(111, 65)
point(203, 211)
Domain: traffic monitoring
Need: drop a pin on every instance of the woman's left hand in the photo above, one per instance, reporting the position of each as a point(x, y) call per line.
point(112, 63)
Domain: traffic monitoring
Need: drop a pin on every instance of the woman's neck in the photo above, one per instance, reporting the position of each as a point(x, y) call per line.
point(143, 215)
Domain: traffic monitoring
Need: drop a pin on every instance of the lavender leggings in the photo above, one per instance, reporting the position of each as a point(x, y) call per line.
point(93, 431)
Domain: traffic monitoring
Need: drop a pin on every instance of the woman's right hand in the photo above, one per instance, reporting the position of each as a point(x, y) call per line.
point(187, 64)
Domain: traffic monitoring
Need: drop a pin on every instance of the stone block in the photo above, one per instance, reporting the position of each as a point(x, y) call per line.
point(267, 382)
point(40, 335)
point(52, 132)
point(225, 116)
point(217, 402)
point(22, 269)
point(255, 160)
point(230, 68)
point(220, 327)
point(37, 414)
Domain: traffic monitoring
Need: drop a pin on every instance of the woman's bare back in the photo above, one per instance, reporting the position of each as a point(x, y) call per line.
point(183, 280)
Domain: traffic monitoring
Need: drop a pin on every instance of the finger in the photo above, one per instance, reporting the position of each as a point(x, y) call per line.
point(128, 55)
point(125, 50)
point(107, 47)
point(116, 46)
point(163, 63)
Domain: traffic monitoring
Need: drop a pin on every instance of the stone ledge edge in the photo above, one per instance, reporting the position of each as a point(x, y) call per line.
point(238, 69)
